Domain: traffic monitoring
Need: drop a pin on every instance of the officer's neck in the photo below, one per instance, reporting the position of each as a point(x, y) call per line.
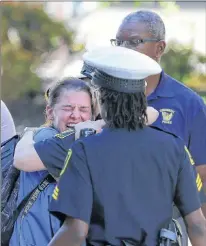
point(152, 83)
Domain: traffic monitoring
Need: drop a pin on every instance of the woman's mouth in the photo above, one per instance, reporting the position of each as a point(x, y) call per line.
point(71, 125)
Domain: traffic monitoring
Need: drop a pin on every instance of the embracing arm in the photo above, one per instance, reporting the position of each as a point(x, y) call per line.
point(187, 199)
point(50, 153)
point(196, 227)
point(73, 232)
point(76, 173)
point(26, 157)
point(197, 141)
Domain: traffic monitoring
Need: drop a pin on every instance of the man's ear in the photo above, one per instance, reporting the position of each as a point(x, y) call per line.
point(161, 45)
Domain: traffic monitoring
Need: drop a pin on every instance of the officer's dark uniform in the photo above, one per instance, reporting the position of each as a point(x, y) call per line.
point(53, 151)
point(183, 113)
point(119, 190)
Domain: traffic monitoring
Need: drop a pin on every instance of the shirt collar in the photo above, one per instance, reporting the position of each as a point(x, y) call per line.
point(164, 88)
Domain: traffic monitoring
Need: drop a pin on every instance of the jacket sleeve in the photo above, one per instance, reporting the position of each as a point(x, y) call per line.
point(53, 151)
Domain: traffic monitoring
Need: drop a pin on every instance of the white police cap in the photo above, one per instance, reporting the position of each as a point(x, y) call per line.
point(121, 69)
point(121, 62)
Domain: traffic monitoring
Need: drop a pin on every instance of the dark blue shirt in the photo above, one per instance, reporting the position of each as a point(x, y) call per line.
point(120, 182)
point(183, 113)
point(53, 151)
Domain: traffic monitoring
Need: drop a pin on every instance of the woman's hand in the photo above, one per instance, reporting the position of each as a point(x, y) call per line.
point(152, 115)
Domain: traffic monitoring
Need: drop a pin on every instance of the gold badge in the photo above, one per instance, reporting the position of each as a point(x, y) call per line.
point(167, 115)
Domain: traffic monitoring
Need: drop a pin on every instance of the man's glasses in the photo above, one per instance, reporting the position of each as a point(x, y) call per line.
point(132, 43)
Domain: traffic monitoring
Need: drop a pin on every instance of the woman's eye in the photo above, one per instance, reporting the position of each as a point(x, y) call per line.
point(67, 109)
point(84, 110)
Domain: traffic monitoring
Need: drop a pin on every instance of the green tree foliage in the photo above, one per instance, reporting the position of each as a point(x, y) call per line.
point(185, 64)
point(34, 33)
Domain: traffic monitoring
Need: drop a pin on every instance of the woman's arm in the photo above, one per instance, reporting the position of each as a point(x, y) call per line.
point(73, 232)
point(26, 157)
point(49, 154)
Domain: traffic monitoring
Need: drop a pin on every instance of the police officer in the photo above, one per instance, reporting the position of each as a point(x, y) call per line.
point(120, 184)
point(182, 111)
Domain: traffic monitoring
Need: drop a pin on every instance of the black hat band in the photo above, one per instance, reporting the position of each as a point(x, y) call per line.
point(87, 70)
point(102, 79)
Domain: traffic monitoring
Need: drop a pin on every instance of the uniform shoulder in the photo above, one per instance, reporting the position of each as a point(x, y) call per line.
point(163, 131)
point(166, 138)
point(65, 134)
point(44, 133)
point(166, 144)
point(65, 139)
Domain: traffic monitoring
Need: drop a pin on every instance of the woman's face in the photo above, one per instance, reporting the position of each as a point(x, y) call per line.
point(72, 107)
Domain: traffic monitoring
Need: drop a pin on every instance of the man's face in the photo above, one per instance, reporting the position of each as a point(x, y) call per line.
point(132, 31)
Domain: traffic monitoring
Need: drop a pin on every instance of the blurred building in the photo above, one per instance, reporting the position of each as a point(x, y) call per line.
point(64, 11)
point(99, 26)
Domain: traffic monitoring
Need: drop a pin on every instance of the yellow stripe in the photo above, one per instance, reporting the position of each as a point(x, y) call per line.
point(198, 178)
point(65, 133)
point(56, 188)
point(189, 155)
point(56, 193)
point(199, 187)
point(198, 182)
point(55, 197)
point(66, 161)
